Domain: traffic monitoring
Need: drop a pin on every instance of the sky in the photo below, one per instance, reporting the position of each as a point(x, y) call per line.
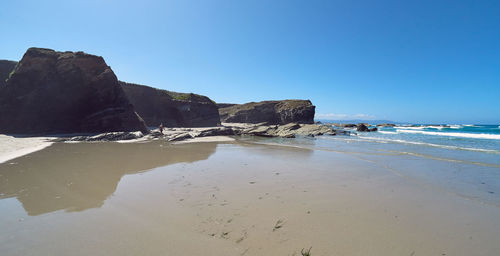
point(407, 61)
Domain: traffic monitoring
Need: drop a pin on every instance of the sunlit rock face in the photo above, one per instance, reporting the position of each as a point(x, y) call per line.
point(172, 109)
point(270, 112)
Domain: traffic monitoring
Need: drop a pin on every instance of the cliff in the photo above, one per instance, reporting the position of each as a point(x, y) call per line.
point(270, 112)
point(6, 67)
point(64, 92)
point(172, 109)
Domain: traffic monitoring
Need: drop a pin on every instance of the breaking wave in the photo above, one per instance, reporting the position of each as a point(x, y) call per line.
point(453, 134)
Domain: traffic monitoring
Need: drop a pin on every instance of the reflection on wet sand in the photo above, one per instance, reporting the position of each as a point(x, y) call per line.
point(75, 177)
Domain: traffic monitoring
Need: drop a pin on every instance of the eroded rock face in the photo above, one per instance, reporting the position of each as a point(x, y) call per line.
point(270, 112)
point(172, 109)
point(6, 67)
point(65, 92)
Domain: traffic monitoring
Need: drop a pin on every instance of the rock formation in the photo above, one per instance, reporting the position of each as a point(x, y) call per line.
point(64, 92)
point(172, 109)
point(270, 112)
point(6, 67)
point(364, 128)
point(290, 130)
point(225, 105)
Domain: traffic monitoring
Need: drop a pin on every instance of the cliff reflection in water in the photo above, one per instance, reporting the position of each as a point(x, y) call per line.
point(76, 177)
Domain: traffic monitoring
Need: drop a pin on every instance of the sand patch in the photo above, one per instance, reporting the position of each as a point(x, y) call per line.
point(14, 147)
point(207, 139)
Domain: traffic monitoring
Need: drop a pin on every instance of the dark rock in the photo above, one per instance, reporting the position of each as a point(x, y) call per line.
point(348, 125)
point(110, 136)
point(290, 130)
point(6, 68)
point(218, 131)
point(179, 137)
point(65, 92)
point(386, 125)
point(172, 109)
point(343, 132)
point(263, 131)
point(362, 128)
point(271, 112)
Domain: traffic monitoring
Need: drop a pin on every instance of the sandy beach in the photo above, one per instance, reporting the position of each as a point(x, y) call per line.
point(230, 198)
point(12, 147)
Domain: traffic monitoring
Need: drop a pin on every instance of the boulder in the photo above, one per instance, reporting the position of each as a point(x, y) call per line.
point(263, 131)
point(348, 125)
point(172, 109)
point(181, 136)
point(6, 68)
point(362, 128)
point(315, 130)
point(386, 125)
point(216, 131)
point(270, 112)
point(53, 92)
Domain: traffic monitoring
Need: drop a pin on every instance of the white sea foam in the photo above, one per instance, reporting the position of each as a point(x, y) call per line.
point(454, 134)
point(410, 127)
point(385, 141)
point(439, 127)
point(432, 145)
point(387, 132)
point(454, 126)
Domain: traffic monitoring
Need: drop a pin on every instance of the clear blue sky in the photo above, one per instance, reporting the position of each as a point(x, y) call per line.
point(415, 61)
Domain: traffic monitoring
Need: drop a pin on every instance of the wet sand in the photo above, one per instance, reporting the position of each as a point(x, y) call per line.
point(231, 198)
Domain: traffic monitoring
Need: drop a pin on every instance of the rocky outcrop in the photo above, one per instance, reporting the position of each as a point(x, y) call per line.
point(386, 125)
point(6, 67)
point(346, 125)
point(290, 130)
point(364, 128)
point(172, 109)
point(270, 112)
point(64, 92)
point(109, 136)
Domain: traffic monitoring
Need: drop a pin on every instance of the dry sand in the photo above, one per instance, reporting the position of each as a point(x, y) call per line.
point(228, 199)
point(12, 147)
